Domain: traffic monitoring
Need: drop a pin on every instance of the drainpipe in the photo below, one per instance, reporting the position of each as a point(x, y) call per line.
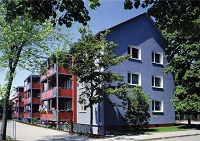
point(57, 102)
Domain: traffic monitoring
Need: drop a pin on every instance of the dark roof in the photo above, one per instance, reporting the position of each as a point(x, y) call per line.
point(134, 18)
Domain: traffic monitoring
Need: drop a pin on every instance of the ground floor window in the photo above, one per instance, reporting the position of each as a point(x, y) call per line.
point(157, 106)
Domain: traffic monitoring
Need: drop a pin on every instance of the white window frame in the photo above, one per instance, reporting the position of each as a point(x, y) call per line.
point(130, 52)
point(153, 81)
point(160, 57)
point(153, 102)
point(139, 78)
point(82, 108)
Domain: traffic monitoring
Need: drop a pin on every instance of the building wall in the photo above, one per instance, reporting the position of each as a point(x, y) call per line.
point(141, 32)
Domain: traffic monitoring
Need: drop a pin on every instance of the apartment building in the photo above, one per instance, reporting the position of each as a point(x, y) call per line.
point(58, 99)
point(18, 103)
point(140, 38)
point(31, 98)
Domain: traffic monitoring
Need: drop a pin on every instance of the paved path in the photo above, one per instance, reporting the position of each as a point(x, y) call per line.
point(27, 132)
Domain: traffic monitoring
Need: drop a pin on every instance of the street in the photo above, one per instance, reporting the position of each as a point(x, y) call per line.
point(186, 138)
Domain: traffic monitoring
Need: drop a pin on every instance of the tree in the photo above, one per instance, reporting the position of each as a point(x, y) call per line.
point(61, 12)
point(180, 22)
point(137, 112)
point(23, 44)
point(93, 56)
point(180, 25)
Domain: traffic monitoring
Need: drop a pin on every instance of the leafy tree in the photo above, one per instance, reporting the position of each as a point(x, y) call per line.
point(23, 44)
point(180, 22)
point(61, 12)
point(137, 112)
point(93, 56)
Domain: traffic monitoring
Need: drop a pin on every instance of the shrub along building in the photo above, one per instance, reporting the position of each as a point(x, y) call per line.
point(140, 38)
point(59, 95)
point(18, 103)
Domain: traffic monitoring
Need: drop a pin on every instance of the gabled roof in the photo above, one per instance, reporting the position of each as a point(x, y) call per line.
point(132, 19)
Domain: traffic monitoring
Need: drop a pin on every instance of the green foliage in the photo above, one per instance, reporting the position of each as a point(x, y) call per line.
point(58, 11)
point(180, 22)
point(93, 56)
point(137, 113)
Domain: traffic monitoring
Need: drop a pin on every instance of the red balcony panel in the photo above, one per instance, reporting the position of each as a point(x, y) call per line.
point(36, 115)
point(21, 94)
point(47, 116)
point(36, 86)
point(27, 115)
point(47, 94)
point(21, 114)
point(65, 92)
point(14, 115)
point(21, 104)
point(48, 73)
point(63, 115)
point(36, 100)
point(27, 101)
point(33, 86)
point(28, 86)
point(61, 69)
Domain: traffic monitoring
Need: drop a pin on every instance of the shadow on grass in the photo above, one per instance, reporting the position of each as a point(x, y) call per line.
point(149, 131)
point(186, 126)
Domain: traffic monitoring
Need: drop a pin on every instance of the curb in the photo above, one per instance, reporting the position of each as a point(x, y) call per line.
point(167, 137)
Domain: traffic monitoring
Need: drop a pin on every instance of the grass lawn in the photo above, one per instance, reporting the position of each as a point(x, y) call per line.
point(155, 130)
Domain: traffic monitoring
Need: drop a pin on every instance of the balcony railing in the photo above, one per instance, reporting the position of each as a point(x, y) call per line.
point(53, 93)
point(34, 100)
point(33, 86)
point(27, 101)
point(51, 71)
point(34, 115)
point(62, 115)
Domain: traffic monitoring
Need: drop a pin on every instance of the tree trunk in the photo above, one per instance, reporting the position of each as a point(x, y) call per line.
point(5, 109)
point(189, 120)
point(91, 119)
point(4, 120)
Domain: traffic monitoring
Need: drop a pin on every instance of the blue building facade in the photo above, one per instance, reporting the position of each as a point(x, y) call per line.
point(140, 38)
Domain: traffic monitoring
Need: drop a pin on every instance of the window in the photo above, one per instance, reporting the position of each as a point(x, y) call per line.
point(68, 84)
point(157, 57)
point(157, 106)
point(83, 107)
point(134, 78)
point(157, 81)
point(68, 105)
point(135, 52)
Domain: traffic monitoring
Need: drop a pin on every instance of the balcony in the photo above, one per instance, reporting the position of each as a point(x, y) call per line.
point(34, 100)
point(51, 71)
point(62, 115)
point(48, 73)
point(33, 86)
point(53, 93)
point(21, 104)
point(34, 115)
point(63, 70)
point(27, 101)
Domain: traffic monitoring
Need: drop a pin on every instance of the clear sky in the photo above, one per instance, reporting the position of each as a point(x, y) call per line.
point(109, 14)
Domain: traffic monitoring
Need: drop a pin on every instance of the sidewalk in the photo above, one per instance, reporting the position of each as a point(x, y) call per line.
point(157, 136)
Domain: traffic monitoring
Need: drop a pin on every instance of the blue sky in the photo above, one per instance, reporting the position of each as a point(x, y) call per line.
point(109, 14)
